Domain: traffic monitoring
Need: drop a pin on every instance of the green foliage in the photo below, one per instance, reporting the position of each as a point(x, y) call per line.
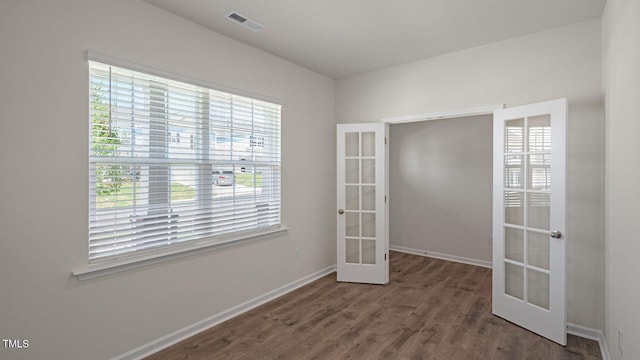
point(105, 142)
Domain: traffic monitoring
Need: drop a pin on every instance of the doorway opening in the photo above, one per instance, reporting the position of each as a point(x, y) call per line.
point(440, 175)
point(441, 184)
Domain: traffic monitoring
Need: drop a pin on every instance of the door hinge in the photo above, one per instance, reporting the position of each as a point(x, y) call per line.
point(385, 198)
point(385, 256)
point(385, 140)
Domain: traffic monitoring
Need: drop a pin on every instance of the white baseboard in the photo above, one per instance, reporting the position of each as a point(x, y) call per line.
point(592, 334)
point(184, 333)
point(441, 256)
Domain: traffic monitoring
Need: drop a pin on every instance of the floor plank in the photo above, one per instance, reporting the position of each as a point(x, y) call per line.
point(431, 309)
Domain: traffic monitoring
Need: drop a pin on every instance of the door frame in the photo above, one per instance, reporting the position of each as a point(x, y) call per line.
point(443, 115)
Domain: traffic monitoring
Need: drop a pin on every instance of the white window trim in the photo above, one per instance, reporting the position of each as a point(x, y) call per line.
point(175, 252)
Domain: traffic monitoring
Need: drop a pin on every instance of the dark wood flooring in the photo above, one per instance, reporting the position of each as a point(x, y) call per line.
point(431, 309)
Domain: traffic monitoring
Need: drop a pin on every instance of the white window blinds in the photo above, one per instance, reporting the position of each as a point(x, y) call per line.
point(172, 162)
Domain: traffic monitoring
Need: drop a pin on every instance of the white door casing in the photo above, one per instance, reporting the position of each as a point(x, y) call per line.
point(529, 223)
point(362, 204)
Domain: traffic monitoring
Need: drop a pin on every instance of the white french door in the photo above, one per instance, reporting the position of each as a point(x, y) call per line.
point(362, 213)
point(529, 237)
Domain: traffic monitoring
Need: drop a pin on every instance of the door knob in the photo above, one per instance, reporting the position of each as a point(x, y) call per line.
point(340, 211)
point(556, 234)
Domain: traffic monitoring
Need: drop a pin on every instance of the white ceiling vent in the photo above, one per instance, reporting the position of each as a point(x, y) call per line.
point(245, 21)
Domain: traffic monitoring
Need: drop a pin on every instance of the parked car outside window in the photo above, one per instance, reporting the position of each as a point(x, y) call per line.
point(223, 177)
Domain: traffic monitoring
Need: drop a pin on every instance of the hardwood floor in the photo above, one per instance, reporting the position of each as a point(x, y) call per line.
point(431, 309)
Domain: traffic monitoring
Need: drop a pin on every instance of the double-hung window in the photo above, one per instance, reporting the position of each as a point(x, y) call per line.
point(173, 163)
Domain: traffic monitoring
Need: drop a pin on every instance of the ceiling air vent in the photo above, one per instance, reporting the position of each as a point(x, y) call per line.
point(245, 21)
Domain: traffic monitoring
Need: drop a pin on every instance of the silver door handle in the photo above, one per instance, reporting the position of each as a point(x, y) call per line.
point(340, 211)
point(556, 234)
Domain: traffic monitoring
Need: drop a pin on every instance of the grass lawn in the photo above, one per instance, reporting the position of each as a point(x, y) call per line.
point(124, 197)
point(246, 179)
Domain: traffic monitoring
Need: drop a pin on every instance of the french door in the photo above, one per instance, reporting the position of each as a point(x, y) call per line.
point(529, 237)
point(362, 211)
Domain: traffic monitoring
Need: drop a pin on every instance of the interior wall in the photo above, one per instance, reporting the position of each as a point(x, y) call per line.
point(563, 62)
point(440, 186)
point(44, 179)
point(621, 70)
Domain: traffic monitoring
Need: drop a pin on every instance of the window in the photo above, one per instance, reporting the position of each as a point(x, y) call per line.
point(149, 189)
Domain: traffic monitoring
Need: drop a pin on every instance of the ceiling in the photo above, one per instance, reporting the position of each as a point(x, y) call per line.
point(340, 38)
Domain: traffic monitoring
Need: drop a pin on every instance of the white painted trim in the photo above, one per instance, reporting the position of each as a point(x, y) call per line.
point(435, 255)
point(592, 334)
point(450, 114)
point(193, 329)
point(172, 253)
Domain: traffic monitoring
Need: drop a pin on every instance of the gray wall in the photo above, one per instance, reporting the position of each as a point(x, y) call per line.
point(44, 179)
point(563, 62)
point(621, 58)
point(441, 185)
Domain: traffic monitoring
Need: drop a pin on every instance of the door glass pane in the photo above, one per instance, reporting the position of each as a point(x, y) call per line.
point(368, 171)
point(538, 288)
point(368, 144)
point(369, 225)
point(539, 212)
point(513, 171)
point(514, 208)
point(539, 129)
point(360, 202)
point(514, 136)
point(539, 169)
point(514, 280)
point(352, 251)
point(352, 171)
point(353, 224)
point(538, 249)
point(514, 244)
point(368, 197)
point(352, 197)
point(352, 144)
point(368, 251)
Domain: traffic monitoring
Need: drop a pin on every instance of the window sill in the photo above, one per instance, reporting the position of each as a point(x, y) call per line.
point(117, 266)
